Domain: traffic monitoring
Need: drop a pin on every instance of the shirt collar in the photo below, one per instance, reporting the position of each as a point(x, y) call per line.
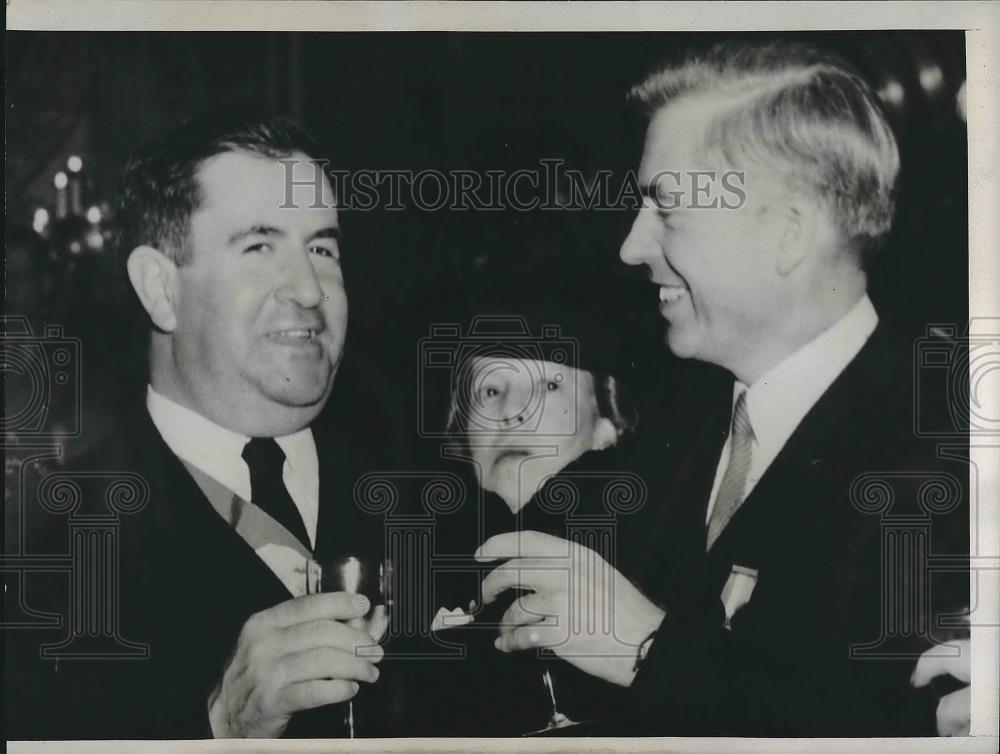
point(779, 400)
point(215, 450)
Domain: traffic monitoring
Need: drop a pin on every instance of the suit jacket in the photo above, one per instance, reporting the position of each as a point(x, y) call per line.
point(836, 529)
point(186, 583)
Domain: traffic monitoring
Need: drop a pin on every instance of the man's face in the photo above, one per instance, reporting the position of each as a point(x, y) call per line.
point(261, 307)
point(528, 419)
point(714, 267)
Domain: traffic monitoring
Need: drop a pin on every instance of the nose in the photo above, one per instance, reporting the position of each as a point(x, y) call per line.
point(298, 281)
point(640, 244)
point(515, 403)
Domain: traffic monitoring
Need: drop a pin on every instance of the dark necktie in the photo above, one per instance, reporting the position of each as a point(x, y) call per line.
point(265, 459)
point(734, 481)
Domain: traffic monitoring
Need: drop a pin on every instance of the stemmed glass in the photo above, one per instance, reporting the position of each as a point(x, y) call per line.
point(557, 719)
point(356, 575)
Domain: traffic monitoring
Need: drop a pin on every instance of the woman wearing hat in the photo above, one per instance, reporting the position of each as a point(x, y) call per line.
point(537, 419)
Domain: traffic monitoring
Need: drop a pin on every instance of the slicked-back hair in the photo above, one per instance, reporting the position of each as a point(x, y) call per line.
point(159, 188)
point(799, 114)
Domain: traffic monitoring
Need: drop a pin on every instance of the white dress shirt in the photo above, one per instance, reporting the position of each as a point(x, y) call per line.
point(779, 401)
point(218, 452)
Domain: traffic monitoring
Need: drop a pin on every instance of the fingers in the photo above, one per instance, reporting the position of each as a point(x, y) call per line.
point(331, 605)
point(525, 611)
point(296, 655)
point(941, 660)
point(524, 544)
point(327, 633)
point(312, 694)
point(531, 636)
point(504, 577)
point(379, 623)
point(325, 663)
point(954, 713)
point(522, 573)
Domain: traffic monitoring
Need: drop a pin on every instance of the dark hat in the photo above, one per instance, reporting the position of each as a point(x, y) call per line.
point(538, 318)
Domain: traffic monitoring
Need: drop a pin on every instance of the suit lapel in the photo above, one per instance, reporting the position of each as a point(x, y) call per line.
point(678, 451)
point(778, 498)
point(187, 527)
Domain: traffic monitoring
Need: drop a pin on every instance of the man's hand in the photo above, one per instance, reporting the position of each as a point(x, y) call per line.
point(954, 712)
point(293, 656)
point(579, 606)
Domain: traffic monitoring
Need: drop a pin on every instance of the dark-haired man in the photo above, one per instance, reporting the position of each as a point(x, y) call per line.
point(765, 603)
point(231, 236)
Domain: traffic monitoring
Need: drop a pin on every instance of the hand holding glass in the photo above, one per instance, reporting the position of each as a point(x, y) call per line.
point(355, 575)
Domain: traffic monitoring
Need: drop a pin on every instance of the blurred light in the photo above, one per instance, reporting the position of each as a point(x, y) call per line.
point(40, 220)
point(95, 241)
point(94, 215)
point(75, 247)
point(74, 163)
point(960, 100)
point(61, 180)
point(892, 93)
point(931, 78)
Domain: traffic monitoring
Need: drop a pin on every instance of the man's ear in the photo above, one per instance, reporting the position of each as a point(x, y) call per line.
point(797, 224)
point(154, 278)
point(605, 434)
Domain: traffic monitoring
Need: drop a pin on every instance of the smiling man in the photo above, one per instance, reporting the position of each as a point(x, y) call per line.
point(765, 606)
point(251, 314)
point(244, 291)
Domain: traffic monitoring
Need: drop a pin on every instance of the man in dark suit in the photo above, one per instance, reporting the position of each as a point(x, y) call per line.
point(243, 457)
point(787, 484)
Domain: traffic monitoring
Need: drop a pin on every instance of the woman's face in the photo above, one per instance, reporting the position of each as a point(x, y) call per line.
point(527, 419)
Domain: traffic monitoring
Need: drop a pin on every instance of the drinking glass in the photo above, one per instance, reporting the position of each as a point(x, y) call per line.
point(356, 575)
point(557, 718)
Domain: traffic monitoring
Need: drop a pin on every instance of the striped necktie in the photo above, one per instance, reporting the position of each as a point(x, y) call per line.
point(734, 481)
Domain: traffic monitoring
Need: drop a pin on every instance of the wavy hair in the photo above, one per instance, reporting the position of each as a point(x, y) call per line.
point(797, 112)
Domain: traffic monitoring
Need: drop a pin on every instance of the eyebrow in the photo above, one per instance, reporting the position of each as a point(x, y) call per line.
point(664, 208)
point(269, 230)
point(331, 231)
point(255, 230)
point(649, 192)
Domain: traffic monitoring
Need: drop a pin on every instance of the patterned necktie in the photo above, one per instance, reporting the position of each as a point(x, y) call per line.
point(734, 481)
point(265, 459)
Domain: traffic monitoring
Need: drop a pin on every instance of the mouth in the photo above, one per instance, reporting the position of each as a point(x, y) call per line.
point(672, 294)
point(295, 335)
point(512, 453)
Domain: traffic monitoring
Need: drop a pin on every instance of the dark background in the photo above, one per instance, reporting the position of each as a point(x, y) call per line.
point(446, 101)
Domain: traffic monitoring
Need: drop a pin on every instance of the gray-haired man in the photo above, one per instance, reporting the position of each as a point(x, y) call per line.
point(764, 605)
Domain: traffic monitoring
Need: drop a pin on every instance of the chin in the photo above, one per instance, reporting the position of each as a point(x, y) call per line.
point(681, 343)
point(300, 394)
point(301, 387)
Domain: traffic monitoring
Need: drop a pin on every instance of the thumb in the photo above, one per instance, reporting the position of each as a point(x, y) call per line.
point(941, 659)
